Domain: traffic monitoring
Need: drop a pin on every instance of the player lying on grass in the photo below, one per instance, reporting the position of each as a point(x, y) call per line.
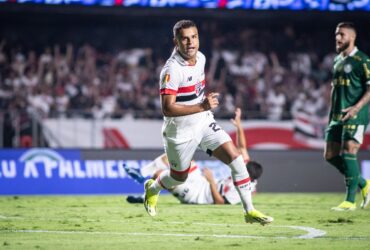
point(200, 186)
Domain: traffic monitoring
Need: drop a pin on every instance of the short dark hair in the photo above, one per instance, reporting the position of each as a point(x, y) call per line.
point(182, 24)
point(255, 170)
point(347, 25)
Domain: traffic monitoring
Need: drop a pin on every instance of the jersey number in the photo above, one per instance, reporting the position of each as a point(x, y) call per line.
point(183, 193)
point(214, 127)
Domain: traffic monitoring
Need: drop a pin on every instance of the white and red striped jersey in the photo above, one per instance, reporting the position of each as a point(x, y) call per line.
point(185, 81)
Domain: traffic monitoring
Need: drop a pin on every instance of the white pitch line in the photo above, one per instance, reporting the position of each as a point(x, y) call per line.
point(313, 233)
point(176, 235)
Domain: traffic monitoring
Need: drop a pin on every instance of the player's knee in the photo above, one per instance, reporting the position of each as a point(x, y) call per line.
point(328, 156)
point(351, 148)
point(332, 149)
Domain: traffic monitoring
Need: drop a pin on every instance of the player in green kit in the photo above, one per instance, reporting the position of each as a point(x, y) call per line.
point(348, 116)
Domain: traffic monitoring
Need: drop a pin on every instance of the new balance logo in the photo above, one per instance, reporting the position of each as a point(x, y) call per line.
point(190, 78)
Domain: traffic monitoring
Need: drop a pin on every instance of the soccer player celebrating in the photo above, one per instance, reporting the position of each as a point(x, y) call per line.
point(189, 123)
point(348, 116)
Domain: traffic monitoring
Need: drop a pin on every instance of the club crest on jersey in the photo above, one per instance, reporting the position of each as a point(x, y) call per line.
point(347, 68)
point(173, 164)
point(198, 88)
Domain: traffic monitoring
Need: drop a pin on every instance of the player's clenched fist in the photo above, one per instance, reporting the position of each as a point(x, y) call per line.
point(211, 101)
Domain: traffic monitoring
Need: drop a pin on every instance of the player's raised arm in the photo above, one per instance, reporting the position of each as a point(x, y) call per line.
point(217, 197)
point(240, 136)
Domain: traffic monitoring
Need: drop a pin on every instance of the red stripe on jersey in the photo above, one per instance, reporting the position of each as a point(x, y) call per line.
point(168, 92)
point(238, 183)
point(191, 88)
point(192, 169)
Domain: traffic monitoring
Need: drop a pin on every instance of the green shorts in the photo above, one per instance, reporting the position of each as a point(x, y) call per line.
point(345, 132)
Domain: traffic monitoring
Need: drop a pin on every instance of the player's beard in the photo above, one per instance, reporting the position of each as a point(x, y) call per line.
point(343, 47)
point(187, 56)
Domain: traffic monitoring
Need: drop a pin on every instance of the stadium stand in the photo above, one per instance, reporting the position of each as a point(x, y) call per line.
point(101, 71)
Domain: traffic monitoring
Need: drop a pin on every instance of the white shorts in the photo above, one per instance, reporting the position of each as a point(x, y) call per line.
point(181, 138)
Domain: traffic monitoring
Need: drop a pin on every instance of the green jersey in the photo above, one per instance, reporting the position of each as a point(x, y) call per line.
point(351, 78)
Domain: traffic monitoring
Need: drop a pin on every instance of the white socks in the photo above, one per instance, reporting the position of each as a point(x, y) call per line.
point(242, 182)
point(164, 181)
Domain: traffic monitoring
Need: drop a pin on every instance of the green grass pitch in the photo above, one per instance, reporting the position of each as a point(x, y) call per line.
point(302, 221)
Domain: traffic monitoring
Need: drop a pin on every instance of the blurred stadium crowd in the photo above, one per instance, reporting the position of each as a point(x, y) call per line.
point(270, 73)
